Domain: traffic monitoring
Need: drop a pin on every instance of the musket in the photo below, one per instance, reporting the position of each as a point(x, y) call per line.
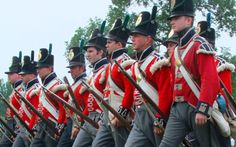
point(142, 92)
point(228, 95)
point(22, 123)
point(106, 105)
point(44, 120)
point(5, 134)
point(73, 97)
point(12, 133)
point(147, 98)
point(76, 111)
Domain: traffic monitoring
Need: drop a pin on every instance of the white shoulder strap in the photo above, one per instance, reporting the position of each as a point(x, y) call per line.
point(184, 72)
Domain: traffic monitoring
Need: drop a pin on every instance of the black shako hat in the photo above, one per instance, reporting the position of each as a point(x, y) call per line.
point(181, 8)
point(45, 57)
point(15, 66)
point(146, 23)
point(29, 65)
point(119, 30)
point(75, 55)
point(97, 39)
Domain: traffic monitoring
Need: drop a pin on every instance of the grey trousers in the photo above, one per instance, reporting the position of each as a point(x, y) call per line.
point(4, 141)
point(43, 139)
point(85, 138)
point(105, 136)
point(142, 134)
point(181, 122)
point(65, 140)
point(22, 139)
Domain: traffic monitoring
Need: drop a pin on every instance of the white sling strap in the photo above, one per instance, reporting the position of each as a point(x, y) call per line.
point(184, 72)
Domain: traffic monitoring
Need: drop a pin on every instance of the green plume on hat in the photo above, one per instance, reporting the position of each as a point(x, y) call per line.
point(81, 45)
point(154, 12)
point(102, 27)
point(32, 56)
point(50, 49)
point(20, 55)
point(125, 23)
point(209, 20)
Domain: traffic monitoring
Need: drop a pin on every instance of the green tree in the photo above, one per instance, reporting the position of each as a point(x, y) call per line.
point(233, 61)
point(5, 89)
point(224, 14)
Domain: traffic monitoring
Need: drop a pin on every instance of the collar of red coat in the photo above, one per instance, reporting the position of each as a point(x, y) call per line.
point(185, 35)
point(144, 54)
point(80, 77)
point(97, 65)
point(118, 52)
point(17, 83)
point(49, 78)
point(31, 83)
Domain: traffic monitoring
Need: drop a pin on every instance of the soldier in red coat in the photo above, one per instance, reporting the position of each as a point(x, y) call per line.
point(224, 70)
point(95, 51)
point(77, 70)
point(48, 107)
point(118, 92)
point(16, 81)
point(196, 81)
point(30, 81)
point(152, 73)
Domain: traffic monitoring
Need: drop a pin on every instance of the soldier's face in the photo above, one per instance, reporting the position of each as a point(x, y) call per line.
point(139, 42)
point(44, 71)
point(76, 71)
point(170, 47)
point(93, 55)
point(27, 77)
point(112, 45)
point(179, 23)
point(13, 77)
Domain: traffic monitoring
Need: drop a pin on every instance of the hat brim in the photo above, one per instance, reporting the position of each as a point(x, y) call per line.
point(10, 72)
point(74, 64)
point(176, 14)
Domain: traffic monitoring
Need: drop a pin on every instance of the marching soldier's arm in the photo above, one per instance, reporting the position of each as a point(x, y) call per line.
point(61, 111)
point(163, 81)
point(209, 83)
point(34, 102)
point(127, 101)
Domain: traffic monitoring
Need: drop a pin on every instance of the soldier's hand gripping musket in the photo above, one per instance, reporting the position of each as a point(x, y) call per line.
point(8, 129)
point(147, 98)
point(76, 103)
point(44, 120)
point(107, 106)
point(22, 123)
point(143, 93)
point(228, 96)
point(78, 112)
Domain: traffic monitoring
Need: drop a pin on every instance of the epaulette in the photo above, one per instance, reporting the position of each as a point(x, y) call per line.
point(224, 65)
point(126, 63)
point(59, 87)
point(161, 61)
point(35, 92)
point(103, 77)
point(205, 47)
point(66, 94)
point(82, 89)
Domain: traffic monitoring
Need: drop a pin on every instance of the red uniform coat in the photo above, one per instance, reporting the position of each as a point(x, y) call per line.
point(199, 61)
point(48, 107)
point(98, 85)
point(224, 70)
point(28, 116)
point(157, 71)
point(119, 91)
point(14, 99)
point(80, 94)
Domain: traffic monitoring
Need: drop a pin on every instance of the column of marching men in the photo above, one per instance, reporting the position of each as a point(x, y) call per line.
point(146, 101)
